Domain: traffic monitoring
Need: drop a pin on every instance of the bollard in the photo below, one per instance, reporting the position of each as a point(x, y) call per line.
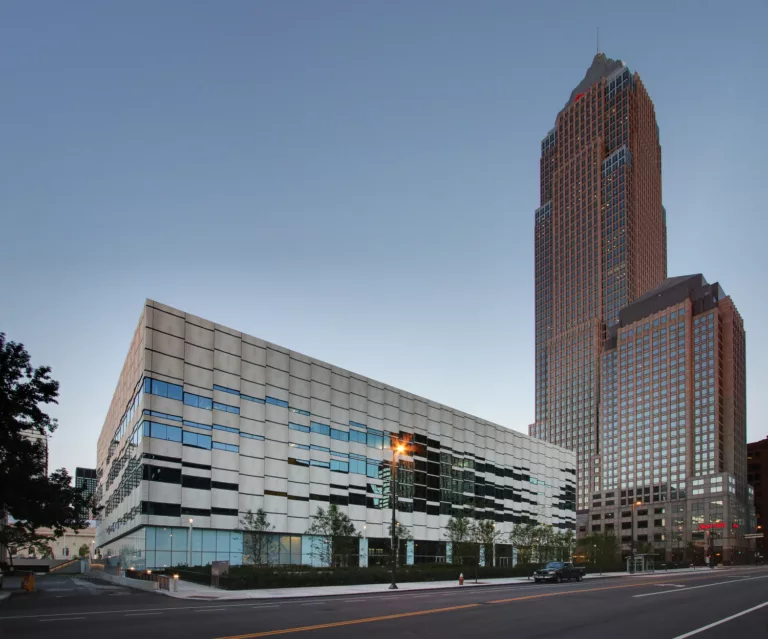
point(461, 579)
point(28, 582)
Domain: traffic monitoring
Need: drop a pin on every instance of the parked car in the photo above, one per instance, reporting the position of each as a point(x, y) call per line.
point(558, 571)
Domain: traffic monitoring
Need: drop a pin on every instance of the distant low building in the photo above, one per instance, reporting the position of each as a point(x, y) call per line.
point(65, 547)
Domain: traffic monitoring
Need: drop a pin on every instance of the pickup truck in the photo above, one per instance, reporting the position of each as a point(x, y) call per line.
point(558, 571)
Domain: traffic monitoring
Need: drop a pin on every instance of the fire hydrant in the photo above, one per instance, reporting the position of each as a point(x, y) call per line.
point(461, 579)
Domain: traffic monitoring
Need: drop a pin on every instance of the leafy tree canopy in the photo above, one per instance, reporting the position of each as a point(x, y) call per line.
point(28, 494)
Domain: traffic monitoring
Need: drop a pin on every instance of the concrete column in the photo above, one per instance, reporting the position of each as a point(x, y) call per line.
point(363, 552)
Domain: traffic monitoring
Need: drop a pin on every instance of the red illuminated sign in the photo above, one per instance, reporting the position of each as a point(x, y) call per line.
point(719, 524)
point(578, 97)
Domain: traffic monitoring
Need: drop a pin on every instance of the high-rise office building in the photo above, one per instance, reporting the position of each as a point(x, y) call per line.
point(86, 477)
point(673, 424)
point(600, 243)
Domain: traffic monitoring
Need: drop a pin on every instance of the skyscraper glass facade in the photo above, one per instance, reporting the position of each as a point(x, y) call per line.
point(600, 241)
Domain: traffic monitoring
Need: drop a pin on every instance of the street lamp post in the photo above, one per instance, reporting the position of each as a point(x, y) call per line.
point(189, 542)
point(396, 448)
point(494, 544)
point(634, 506)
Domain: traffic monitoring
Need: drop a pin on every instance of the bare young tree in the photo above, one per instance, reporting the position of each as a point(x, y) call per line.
point(259, 545)
point(402, 533)
point(333, 531)
point(486, 536)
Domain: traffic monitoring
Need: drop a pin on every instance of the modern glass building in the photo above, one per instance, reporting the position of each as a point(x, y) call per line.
point(208, 423)
point(86, 478)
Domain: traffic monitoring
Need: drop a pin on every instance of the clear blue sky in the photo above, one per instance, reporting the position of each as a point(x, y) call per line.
point(353, 180)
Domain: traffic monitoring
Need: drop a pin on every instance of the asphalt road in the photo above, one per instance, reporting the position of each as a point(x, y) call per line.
point(660, 606)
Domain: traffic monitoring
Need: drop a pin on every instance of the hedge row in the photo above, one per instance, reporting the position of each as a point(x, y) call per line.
point(253, 577)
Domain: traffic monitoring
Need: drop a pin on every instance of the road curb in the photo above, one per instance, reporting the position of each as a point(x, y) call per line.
point(466, 586)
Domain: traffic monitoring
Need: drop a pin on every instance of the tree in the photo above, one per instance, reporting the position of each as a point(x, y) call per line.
point(525, 538)
point(565, 543)
point(333, 530)
point(259, 545)
point(402, 533)
point(29, 497)
point(643, 548)
point(486, 536)
point(600, 549)
point(84, 551)
point(459, 531)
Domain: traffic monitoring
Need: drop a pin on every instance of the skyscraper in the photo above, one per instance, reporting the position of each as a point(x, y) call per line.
point(600, 243)
point(673, 425)
point(86, 478)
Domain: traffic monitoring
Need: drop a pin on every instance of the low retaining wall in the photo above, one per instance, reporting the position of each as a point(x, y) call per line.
point(138, 584)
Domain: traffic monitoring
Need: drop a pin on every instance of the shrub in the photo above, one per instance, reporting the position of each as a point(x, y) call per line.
point(254, 577)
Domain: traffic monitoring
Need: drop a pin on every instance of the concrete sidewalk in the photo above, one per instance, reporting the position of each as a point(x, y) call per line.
point(189, 590)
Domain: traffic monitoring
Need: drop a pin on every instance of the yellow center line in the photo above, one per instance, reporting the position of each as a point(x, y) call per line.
point(336, 624)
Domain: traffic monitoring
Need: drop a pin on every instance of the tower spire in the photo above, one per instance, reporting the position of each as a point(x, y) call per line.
point(598, 39)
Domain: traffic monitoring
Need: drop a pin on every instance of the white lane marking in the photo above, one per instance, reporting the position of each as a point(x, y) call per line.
point(61, 619)
point(210, 609)
point(719, 583)
point(313, 603)
point(672, 585)
point(142, 614)
point(722, 621)
point(267, 606)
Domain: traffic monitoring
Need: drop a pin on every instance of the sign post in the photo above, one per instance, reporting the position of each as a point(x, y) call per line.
point(218, 569)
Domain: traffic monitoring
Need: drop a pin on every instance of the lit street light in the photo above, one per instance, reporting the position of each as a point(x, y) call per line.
point(396, 448)
point(189, 543)
point(634, 505)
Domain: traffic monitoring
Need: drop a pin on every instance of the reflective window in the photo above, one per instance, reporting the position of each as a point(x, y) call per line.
point(196, 425)
point(224, 389)
point(162, 389)
point(197, 440)
point(228, 429)
point(341, 435)
point(226, 408)
point(230, 448)
point(198, 401)
point(322, 429)
point(339, 466)
point(162, 431)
